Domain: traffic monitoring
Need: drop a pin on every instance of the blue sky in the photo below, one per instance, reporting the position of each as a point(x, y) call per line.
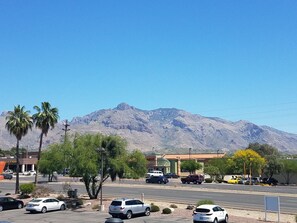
point(236, 60)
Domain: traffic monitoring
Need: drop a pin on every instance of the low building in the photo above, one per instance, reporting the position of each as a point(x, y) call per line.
point(170, 163)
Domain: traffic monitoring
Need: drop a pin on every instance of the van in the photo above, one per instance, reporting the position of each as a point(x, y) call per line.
point(154, 173)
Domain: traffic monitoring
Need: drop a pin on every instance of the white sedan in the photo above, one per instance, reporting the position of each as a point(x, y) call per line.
point(45, 204)
point(210, 213)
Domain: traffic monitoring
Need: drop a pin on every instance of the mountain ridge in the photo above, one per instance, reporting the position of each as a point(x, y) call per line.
point(164, 130)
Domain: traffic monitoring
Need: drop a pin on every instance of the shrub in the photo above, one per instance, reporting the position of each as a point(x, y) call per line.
point(204, 202)
point(61, 197)
point(190, 207)
point(96, 207)
point(27, 188)
point(208, 180)
point(295, 218)
point(220, 180)
point(23, 196)
point(166, 211)
point(79, 202)
point(173, 206)
point(154, 208)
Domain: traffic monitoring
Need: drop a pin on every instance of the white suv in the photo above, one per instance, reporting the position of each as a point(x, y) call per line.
point(155, 173)
point(125, 207)
point(210, 213)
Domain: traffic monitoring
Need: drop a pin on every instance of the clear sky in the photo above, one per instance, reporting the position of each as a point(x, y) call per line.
point(232, 59)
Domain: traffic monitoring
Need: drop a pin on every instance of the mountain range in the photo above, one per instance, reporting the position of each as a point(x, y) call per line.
point(162, 130)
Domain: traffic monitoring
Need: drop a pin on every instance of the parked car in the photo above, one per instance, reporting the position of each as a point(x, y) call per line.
point(157, 180)
point(271, 181)
point(29, 173)
point(7, 176)
point(154, 173)
point(125, 207)
point(210, 213)
point(8, 171)
point(234, 180)
point(7, 203)
point(45, 204)
point(171, 175)
point(193, 178)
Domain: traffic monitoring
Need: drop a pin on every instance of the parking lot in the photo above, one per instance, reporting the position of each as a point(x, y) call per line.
point(69, 216)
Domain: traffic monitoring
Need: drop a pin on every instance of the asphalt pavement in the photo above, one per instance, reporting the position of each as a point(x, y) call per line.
point(69, 216)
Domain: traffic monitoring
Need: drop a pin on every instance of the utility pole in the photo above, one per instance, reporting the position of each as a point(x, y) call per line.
point(190, 153)
point(65, 129)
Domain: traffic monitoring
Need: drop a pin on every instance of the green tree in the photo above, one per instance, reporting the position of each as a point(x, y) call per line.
point(52, 160)
point(85, 160)
point(271, 155)
point(289, 169)
point(45, 118)
point(213, 171)
point(190, 165)
point(2, 152)
point(18, 123)
point(136, 162)
point(263, 149)
point(221, 164)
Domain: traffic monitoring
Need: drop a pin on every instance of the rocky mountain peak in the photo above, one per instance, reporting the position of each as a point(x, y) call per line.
point(124, 106)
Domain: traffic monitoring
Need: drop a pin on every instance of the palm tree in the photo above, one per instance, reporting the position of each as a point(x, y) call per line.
point(45, 118)
point(18, 123)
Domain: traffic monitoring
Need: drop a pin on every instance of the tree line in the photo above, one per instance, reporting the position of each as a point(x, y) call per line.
point(255, 160)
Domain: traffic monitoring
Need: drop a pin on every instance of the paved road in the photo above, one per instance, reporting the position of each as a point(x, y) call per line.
point(228, 195)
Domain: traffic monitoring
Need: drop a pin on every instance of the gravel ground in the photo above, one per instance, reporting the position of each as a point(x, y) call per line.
point(235, 215)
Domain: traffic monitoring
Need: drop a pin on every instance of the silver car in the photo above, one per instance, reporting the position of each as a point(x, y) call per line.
point(125, 207)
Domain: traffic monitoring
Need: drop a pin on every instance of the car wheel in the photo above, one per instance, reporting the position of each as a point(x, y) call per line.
point(129, 214)
point(62, 208)
point(183, 182)
point(146, 181)
point(20, 206)
point(188, 182)
point(43, 210)
point(147, 212)
point(215, 221)
point(159, 182)
point(226, 219)
point(1, 208)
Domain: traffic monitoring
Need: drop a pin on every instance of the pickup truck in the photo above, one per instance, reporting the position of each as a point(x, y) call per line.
point(193, 178)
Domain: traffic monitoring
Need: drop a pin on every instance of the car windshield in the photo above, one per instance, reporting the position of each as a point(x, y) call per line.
point(116, 203)
point(202, 210)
